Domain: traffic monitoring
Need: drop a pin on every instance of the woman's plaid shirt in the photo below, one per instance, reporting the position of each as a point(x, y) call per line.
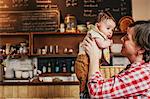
point(134, 83)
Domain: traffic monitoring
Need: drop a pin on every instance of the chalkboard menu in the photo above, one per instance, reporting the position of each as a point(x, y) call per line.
point(87, 10)
point(46, 15)
point(29, 21)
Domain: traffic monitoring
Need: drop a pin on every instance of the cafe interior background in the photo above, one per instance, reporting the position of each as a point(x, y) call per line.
point(44, 67)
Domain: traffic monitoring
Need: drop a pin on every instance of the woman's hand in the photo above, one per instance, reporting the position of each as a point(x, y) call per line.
point(91, 48)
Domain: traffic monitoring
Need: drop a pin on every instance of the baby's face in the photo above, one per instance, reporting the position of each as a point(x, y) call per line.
point(107, 27)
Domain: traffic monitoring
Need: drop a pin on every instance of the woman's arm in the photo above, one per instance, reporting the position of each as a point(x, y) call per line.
point(132, 83)
point(94, 54)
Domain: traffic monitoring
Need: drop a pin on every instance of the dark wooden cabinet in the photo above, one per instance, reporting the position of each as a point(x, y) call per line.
point(51, 39)
point(57, 47)
point(14, 39)
point(37, 41)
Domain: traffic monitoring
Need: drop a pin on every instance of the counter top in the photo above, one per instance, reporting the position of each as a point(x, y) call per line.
point(39, 83)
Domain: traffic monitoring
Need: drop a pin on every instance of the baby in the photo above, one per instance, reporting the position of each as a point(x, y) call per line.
point(102, 33)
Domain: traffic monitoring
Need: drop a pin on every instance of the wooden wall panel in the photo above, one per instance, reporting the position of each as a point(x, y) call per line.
point(42, 91)
point(39, 91)
point(73, 91)
point(15, 91)
point(8, 91)
point(1, 91)
point(23, 91)
point(59, 91)
point(32, 91)
point(51, 91)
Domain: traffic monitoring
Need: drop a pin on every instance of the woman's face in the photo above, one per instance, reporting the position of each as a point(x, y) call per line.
point(129, 48)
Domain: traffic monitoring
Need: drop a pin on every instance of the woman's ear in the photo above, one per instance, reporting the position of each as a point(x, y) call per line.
point(141, 51)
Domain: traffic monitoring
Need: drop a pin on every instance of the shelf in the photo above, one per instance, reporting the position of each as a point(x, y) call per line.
point(42, 40)
point(69, 33)
point(14, 34)
point(57, 33)
point(55, 55)
point(54, 74)
point(16, 78)
point(62, 40)
point(15, 54)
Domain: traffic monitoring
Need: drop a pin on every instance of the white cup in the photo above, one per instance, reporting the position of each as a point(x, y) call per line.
point(25, 74)
point(18, 74)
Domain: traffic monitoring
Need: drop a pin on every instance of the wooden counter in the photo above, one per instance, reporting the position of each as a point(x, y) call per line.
point(45, 90)
point(38, 83)
point(39, 90)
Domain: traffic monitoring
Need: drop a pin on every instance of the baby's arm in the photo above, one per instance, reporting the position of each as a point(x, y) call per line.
point(103, 43)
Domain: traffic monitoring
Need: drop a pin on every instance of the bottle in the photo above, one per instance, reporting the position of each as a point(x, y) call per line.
point(44, 69)
point(7, 48)
point(49, 68)
point(72, 66)
point(56, 49)
point(64, 68)
point(51, 49)
point(57, 67)
point(62, 27)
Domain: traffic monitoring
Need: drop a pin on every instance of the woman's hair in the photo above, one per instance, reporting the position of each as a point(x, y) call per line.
point(142, 37)
point(105, 15)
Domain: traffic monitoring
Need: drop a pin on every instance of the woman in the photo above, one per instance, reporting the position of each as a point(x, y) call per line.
point(134, 81)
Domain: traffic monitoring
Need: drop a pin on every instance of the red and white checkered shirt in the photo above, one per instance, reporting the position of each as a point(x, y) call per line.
point(134, 83)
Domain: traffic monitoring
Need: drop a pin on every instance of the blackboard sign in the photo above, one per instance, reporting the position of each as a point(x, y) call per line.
point(87, 10)
point(46, 15)
point(29, 21)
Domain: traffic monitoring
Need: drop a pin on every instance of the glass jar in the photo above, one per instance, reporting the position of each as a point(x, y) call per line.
point(23, 48)
point(70, 23)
